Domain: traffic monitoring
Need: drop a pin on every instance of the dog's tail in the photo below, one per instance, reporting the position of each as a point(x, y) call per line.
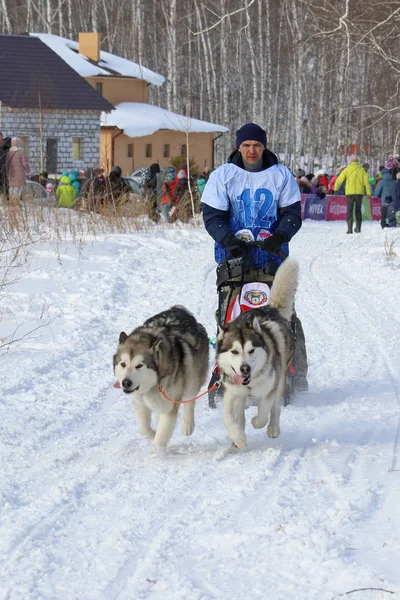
point(284, 288)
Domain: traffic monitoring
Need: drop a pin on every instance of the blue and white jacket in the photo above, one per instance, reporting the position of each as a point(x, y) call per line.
point(252, 205)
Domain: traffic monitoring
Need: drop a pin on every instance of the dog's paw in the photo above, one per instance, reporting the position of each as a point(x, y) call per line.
point(273, 431)
point(187, 427)
point(149, 435)
point(159, 452)
point(240, 441)
point(257, 424)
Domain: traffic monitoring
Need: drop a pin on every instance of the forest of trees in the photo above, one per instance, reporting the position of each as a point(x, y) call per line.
point(322, 77)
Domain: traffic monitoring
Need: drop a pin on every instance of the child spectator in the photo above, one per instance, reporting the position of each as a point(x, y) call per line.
point(65, 193)
point(50, 190)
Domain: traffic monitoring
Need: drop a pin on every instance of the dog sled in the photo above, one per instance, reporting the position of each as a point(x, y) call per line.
point(237, 294)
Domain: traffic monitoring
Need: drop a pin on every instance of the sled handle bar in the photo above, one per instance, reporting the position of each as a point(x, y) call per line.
point(255, 244)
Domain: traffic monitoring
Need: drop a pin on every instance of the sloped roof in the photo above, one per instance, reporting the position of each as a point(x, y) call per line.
point(108, 65)
point(34, 76)
point(137, 119)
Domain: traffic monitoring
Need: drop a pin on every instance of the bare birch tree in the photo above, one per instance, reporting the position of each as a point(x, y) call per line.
point(320, 76)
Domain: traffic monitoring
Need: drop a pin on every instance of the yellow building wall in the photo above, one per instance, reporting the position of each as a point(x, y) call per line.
point(200, 149)
point(121, 89)
point(106, 152)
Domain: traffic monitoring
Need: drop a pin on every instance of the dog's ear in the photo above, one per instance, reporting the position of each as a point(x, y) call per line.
point(122, 337)
point(220, 332)
point(157, 345)
point(256, 325)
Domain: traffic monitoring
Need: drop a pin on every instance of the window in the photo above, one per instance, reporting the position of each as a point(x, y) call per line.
point(25, 144)
point(130, 150)
point(51, 155)
point(148, 151)
point(99, 87)
point(166, 150)
point(77, 148)
point(183, 150)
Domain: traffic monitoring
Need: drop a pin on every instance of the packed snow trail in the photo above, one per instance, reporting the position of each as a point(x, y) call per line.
point(89, 513)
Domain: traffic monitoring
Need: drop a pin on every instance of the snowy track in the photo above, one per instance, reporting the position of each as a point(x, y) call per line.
point(88, 513)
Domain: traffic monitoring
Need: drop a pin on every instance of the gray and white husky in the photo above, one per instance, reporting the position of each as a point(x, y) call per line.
point(254, 352)
point(171, 350)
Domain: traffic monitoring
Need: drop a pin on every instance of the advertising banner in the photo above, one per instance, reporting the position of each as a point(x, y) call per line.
point(366, 209)
point(315, 208)
point(303, 201)
point(337, 208)
point(376, 209)
point(334, 208)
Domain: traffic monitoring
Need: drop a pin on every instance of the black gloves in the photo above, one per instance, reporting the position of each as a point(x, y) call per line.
point(237, 247)
point(234, 246)
point(273, 243)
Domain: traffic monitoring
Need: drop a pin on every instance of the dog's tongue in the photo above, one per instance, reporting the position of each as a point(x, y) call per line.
point(116, 384)
point(238, 379)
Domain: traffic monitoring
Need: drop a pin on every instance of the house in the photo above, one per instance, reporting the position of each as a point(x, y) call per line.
point(136, 134)
point(47, 104)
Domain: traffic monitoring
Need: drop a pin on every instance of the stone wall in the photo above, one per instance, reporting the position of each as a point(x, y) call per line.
point(36, 127)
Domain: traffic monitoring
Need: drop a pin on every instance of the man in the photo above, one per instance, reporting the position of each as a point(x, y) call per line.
point(252, 197)
point(5, 144)
point(357, 183)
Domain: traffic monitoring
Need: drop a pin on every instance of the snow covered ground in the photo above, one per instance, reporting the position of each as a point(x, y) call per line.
point(87, 513)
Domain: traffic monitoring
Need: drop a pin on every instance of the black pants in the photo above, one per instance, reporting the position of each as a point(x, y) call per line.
point(354, 199)
point(384, 210)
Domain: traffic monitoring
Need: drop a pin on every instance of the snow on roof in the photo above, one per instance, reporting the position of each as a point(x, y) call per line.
point(108, 65)
point(137, 119)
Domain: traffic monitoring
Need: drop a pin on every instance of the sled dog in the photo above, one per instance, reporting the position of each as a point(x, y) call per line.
point(254, 352)
point(170, 349)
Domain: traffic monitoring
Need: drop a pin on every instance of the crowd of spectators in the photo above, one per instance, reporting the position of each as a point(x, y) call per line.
point(384, 184)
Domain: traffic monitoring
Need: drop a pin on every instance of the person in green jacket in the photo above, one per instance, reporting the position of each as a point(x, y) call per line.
point(202, 180)
point(65, 193)
point(357, 184)
point(76, 184)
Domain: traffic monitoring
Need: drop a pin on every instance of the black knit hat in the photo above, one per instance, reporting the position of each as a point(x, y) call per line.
point(251, 131)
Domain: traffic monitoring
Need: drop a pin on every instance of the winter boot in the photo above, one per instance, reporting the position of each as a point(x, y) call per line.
point(349, 226)
point(358, 227)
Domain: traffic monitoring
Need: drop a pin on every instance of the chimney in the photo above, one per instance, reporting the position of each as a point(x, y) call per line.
point(89, 45)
